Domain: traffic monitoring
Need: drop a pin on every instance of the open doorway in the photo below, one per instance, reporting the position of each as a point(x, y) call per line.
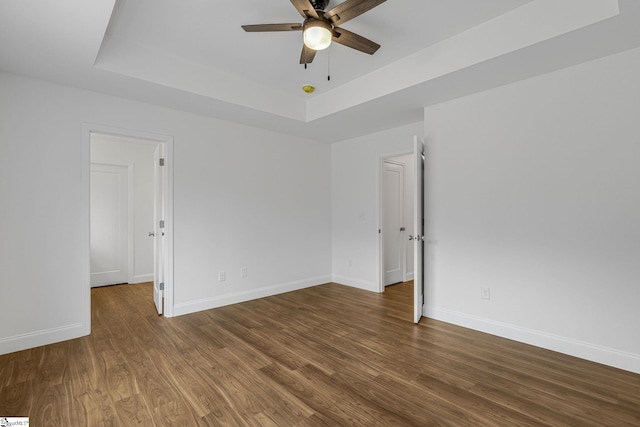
point(121, 210)
point(128, 207)
point(396, 222)
point(396, 215)
point(401, 179)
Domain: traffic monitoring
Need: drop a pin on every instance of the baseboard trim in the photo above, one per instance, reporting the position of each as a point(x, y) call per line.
point(356, 283)
point(236, 297)
point(40, 338)
point(142, 278)
point(584, 350)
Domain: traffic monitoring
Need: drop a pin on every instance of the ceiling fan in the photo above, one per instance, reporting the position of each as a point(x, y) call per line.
point(320, 28)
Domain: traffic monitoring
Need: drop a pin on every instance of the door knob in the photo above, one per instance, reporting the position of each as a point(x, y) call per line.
point(152, 234)
point(410, 237)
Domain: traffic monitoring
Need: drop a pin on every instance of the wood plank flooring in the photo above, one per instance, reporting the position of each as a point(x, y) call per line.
point(324, 356)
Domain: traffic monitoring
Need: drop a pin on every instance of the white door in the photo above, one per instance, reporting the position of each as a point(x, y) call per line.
point(109, 207)
point(418, 226)
point(393, 221)
point(158, 234)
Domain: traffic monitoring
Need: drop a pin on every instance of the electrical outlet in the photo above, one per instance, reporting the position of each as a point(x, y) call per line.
point(243, 272)
point(222, 276)
point(485, 293)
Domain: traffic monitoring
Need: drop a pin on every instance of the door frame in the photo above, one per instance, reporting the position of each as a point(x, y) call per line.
point(167, 141)
point(380, 177)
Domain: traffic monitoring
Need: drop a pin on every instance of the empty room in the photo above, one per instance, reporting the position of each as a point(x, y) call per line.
point(320, 212)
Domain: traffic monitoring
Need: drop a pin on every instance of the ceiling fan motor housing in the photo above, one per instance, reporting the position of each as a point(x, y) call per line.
point(319, 5)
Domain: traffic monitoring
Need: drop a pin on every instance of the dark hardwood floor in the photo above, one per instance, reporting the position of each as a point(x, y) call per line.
point(324, 356)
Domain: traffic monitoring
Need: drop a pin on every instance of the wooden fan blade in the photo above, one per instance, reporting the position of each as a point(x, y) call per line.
point(350, 9)
point(272, 27)
point(354, 41)
point(307, 55)
point(305, 8)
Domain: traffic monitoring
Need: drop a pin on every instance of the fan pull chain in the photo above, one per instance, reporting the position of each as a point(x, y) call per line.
point(328, 65)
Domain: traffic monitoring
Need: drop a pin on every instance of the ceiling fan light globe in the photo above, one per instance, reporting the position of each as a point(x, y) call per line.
point(317, 36)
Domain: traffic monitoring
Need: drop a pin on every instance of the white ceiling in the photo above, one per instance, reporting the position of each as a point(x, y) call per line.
point(209, 33)
point(192, 54)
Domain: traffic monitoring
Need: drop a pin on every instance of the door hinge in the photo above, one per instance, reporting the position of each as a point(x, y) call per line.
point(161, 286)
point(162, 223)
point(161, 162)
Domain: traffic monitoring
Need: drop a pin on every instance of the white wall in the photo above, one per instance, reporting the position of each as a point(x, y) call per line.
point(242, 197)
point(534, 191)
point(109, 149)
point(355, 199)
